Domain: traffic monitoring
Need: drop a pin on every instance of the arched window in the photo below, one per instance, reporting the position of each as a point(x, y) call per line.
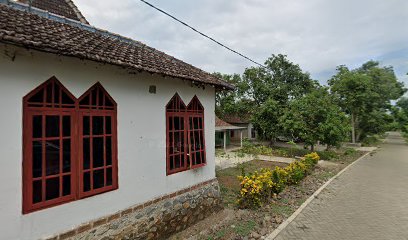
point(185, 135)
point(70, 145)
point(48, 162)
point(196, 137)
point(97, 142)
point(176, 135)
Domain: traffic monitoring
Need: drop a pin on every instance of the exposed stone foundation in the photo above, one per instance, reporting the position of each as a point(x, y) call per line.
point(156, 219)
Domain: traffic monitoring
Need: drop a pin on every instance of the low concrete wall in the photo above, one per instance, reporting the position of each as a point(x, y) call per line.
point(156, 219)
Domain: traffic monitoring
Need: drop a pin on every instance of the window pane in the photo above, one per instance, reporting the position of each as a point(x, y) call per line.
point(86, 125)
point(108, 125)
point(108, 151)
point(108, 102)
point(100, 98)
point(190, 122)
point(66, 155)
point(109, 177)
point(97, 125)
point(37, 126)
point(37, 159)
point(178, 123)
point(93, 94)
point(52, 126)
point(196, 123)
point(66, 185)
point(86, 153)
point(98, 179)
point(37, 191)
point(49, 93)
point(66, 126)
point(97, 152)
point(52, 157)
point(171, 162)
point(52, 186)
point(198, 158)
point(84, 101)
point(56, 93)
point(66, 99)
point(87, 181)
point(37, 98)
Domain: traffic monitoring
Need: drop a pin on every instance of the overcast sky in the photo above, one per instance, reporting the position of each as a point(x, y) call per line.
point(316, 34)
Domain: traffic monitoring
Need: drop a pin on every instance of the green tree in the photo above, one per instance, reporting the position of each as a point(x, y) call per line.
point(365, 92)
point(315, 117)
point(266, 120)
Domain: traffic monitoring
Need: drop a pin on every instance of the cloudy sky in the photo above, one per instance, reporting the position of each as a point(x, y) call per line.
point(316, 34)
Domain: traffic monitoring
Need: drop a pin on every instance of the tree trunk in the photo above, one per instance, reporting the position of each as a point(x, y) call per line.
point(353, 129)
point(312, 147)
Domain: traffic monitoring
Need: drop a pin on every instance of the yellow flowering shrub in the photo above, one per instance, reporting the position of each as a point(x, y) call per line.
point(259, 186)
point(296, 172)
point(255, 188)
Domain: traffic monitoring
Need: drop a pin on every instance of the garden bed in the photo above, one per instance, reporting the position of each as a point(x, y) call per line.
point(234, 223)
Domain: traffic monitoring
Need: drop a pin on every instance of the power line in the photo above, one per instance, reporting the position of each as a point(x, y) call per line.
point(202, 34)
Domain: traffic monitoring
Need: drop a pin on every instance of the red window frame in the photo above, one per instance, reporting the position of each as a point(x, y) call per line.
point(181, 155)
point(93, 104)
point(51, 100)
point(49, 106)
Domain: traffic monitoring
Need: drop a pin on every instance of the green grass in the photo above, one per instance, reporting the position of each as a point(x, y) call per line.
point(245, 228)
point(281, 209)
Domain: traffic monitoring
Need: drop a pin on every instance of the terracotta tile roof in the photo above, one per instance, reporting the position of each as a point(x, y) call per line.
point(65, 8)
point(237, 119)
point(30, 30)
point(221, 123)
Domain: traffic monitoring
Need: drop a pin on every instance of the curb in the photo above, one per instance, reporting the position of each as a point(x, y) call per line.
point(283, 225)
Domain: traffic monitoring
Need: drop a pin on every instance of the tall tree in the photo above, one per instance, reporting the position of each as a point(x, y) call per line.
point(315, 117)
point(365, 91)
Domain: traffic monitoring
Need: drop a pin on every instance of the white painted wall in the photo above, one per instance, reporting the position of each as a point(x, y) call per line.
point(141, 139)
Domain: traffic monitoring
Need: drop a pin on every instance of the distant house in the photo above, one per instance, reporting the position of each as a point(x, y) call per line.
point(223, 134)
point(101, 135)
point(248, 132)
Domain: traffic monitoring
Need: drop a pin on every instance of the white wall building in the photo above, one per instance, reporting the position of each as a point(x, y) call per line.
point(142, 129)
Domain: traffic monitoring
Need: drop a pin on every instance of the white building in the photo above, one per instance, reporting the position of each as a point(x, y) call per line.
point(96, 128)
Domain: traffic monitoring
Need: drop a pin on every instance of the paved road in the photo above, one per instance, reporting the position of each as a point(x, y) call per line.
point(369, 201)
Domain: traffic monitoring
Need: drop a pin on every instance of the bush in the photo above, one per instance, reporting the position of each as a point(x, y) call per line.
point(296, 172)
point(350, 151)
point(370, 140)
point(257, 187)
point(279, 177)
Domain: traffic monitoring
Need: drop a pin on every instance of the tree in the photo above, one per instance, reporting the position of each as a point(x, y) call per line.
point(281, 80)
point(234, 102)
point(315, 117)
point(266, 120)
point(364, 91)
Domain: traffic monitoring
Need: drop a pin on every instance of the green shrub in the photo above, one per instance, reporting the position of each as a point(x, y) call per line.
point(349, 151)
point(296, 172)
point(370, 141)
point(279, 177)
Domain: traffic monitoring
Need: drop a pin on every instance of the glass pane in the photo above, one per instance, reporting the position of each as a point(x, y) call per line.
point(52, 186)
point(37, 159)
point(171, 162)
point(37, 191)
point(100, 98)
point(37, 98)
point(84, 101)
point(52, 157)
point(109, 177)
point(86, 153)
point(97, 152)
point(97, 125)
point(66, 126)
point(87, 181)
point(108, 151)
point(98, 179)
point(108, 125)
point(178, 161)
point(196, 123)
point(66, 99)
point(170, 119)
point(86, 125)
point(108, 102)
point(66, 185)
point(93, 94)
point(52, 126)
point(66, 155)
point(178, 123)
point(37, 126)
point(49, 93)
point(190, 122)
point(198, 158)
point(56, 93)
